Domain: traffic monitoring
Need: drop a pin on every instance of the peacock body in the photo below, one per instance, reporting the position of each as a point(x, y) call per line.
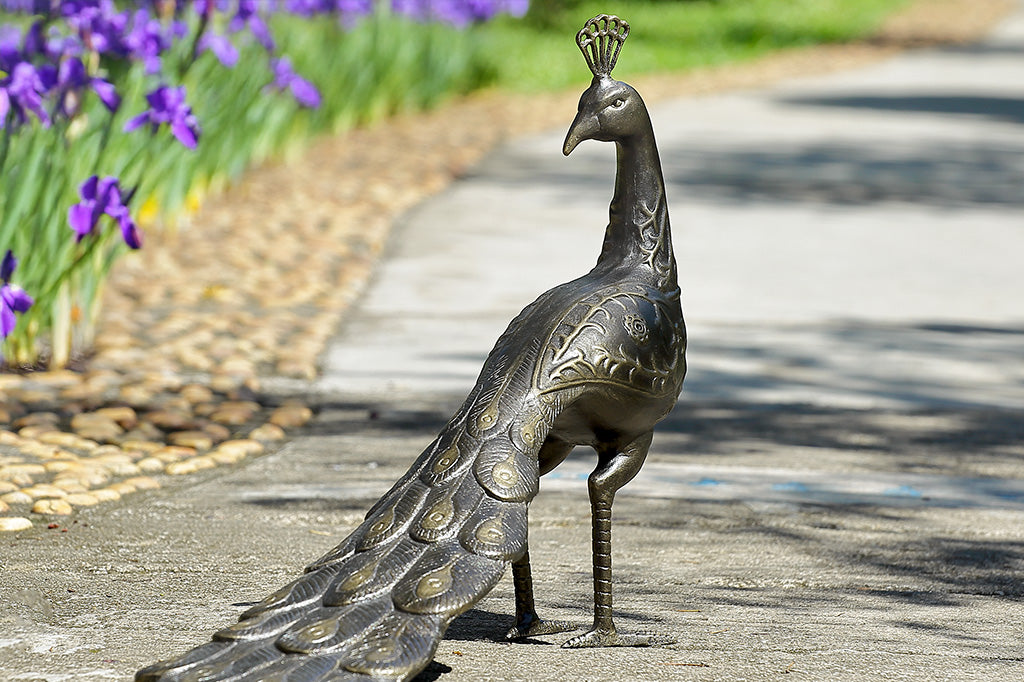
point(597, 361)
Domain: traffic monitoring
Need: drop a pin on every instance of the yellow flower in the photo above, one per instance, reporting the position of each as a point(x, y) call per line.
point(149, 211)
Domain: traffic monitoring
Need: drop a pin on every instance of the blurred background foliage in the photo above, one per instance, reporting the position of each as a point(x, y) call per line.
point(671, 35)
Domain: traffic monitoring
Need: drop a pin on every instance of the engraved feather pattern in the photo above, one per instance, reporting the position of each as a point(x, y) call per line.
point(625, 334)
point(377, 604)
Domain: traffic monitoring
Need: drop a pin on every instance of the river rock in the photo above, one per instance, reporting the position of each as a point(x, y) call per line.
point(143, 482)
point(106, 495)
point(124, 416)
point(197, 393)
point(35, 419)
point(197, 440)
point(16, 497)
point(44, 490)
point(169, 420)
point(14, 523)
point(9, 438)
point(150, 465)
point(180, 468)
point(291, 416)
point(267, 432)
point(52, 507)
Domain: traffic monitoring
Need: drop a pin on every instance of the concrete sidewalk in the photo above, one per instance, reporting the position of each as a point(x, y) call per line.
point(839, 494)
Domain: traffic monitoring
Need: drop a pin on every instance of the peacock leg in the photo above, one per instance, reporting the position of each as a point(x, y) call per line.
point(614, 470)
point(528, 623)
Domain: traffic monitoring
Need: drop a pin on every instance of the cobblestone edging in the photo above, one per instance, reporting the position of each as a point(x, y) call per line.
point(76, 440)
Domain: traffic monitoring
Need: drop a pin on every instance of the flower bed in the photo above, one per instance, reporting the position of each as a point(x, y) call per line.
point(119, 116)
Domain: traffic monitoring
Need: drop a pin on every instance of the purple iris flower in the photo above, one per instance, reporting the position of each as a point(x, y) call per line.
point(13, 298)
point(107, 93)
point(146, 40)
point(52, 46)
point(28, 6)
point(23, 91)
point(516, 8)
point(459, 13)
point(72, 77)
point(221, 47)
point(7, 267)
point(363, 6)
point(99, 198)
point(99, 24)
point(304, 92)
point(10, 47)
point(248, 16)
point(35, 41)
point(167, 105)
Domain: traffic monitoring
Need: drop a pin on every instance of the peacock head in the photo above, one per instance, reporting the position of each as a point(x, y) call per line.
point(609, 110)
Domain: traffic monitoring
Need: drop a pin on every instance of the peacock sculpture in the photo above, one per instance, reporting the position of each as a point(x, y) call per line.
point(597, 361)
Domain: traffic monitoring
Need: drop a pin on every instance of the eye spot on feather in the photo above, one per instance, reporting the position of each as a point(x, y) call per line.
point(358, 578)
point(505, 474)
point(438, 516)
point(434, 583)
point(383, 524)
point(446, 460)
point(319, 630)
point(490, 532)
point(487, 419)
point(528, 435)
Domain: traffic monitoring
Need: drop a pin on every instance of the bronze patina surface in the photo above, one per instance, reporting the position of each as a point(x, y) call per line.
point(597, 361)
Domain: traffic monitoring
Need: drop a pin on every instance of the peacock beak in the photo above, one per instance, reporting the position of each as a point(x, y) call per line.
point(584, 127)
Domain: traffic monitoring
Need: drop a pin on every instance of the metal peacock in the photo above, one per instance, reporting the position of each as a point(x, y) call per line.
point(597, 361)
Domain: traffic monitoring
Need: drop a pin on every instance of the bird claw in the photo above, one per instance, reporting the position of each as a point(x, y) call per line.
point(602, 638)
point(533, 627)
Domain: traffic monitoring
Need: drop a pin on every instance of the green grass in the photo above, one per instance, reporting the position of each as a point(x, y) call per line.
point(673, 35)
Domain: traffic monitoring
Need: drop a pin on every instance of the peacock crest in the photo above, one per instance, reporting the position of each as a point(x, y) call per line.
point(600, 41)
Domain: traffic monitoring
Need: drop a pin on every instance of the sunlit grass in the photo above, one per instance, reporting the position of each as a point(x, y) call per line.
point(672, 36)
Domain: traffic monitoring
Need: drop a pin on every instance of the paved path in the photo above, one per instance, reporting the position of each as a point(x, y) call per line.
point(838, 495)
point(852, 241)
point(827, 230)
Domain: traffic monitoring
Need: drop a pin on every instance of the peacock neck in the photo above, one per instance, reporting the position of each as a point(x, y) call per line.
point(638, 234)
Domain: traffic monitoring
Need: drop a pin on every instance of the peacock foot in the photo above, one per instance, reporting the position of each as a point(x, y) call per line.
point(602, 638)
point(533, 626)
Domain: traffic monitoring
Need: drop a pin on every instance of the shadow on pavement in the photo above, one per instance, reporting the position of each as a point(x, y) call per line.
point(1008, 109)
point(920, 365)
point(957, 174)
